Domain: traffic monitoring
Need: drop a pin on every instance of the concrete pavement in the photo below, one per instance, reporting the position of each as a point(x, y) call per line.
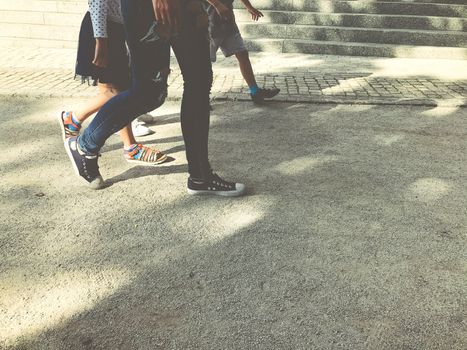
point(352, 236)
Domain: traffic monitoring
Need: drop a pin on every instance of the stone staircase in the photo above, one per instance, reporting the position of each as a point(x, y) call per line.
point(389, 28)
point(41, 23)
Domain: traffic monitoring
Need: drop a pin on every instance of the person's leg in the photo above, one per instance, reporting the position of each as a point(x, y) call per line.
point(71, 121)
point(147, 92)
point(234, 45)
point(74, 119)
point(126, 134)
point(133, 152)
point(149, 87)
point(106, 92)
point(257, 94)
point(245, 68)
point(191, 48)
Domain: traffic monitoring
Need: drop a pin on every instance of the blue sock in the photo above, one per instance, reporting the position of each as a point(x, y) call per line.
point(254, 89)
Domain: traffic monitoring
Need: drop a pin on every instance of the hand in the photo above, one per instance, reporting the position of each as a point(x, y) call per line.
point(101, 55)
point(255, 14)
point(168, 12)
point(224, 12)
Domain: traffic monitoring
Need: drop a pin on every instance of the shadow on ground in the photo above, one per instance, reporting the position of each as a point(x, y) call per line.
point(352, 236)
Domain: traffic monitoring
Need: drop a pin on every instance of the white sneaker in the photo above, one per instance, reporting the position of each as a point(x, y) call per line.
point(140, 129)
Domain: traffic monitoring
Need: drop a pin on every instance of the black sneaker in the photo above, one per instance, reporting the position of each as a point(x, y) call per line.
point(216, 186)
point(85, 166)
point(261, 94)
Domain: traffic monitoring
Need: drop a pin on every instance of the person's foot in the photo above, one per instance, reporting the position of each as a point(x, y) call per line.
point(215, 186)
point(68, 125)
point(144, 155)
point(140, 129)
point(85, 166)
point(262, 94)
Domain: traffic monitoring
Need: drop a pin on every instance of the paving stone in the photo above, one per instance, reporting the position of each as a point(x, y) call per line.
point(49, 73)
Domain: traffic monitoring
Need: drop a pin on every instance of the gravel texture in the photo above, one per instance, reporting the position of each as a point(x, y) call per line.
point(352, 235)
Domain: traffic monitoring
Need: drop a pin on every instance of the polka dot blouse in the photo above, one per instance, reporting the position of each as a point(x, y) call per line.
point(103, 11)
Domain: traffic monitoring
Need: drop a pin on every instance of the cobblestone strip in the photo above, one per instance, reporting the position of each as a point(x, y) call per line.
point(300, 87)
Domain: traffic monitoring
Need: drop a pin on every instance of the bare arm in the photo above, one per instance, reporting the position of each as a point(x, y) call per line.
point(255, 14)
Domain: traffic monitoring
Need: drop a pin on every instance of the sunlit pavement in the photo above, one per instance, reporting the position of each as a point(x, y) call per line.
point(352, 235)
point(301, 78)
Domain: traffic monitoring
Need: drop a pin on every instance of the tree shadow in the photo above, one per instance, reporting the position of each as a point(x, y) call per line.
point(143, 171)
point(328, 251)
point(167, 119)
point(110, 147)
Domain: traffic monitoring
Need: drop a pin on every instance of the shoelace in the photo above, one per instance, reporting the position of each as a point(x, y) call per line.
point(91, 167)
point(217, 180)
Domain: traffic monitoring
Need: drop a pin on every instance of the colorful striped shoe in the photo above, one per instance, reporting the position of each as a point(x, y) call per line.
point(144, 155)
point(69, 126)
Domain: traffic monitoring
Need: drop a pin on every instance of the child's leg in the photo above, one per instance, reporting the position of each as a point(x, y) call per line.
point(257, 94)
point(126, 134)
point(246, 68)
point(72, 120)
point(106, 92)
point(133, 151)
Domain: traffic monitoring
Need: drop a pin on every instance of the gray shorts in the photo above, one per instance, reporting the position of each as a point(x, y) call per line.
point(230, 45)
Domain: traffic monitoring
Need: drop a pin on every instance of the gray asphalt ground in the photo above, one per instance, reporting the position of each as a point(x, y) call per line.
point(352, 236)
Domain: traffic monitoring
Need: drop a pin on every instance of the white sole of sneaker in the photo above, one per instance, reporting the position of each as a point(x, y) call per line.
point(72, 160)
point(237, 193)
point(215, 193)
point(97, 184)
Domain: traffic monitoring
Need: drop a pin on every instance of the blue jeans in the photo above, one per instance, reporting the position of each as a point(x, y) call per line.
point(149, 61)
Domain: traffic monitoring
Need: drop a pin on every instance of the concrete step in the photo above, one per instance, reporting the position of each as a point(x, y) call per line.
point(45, 18)
point(280, 17)
point(362, 35)
point(43, 43)
point(392, 28)
point(44, 6)
point(364, 6)
point(42, 32)
point(354, 49)
point(67, 29)
point(455, 8)
point(358, 20)
point(293, 46)
point(445, 2)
